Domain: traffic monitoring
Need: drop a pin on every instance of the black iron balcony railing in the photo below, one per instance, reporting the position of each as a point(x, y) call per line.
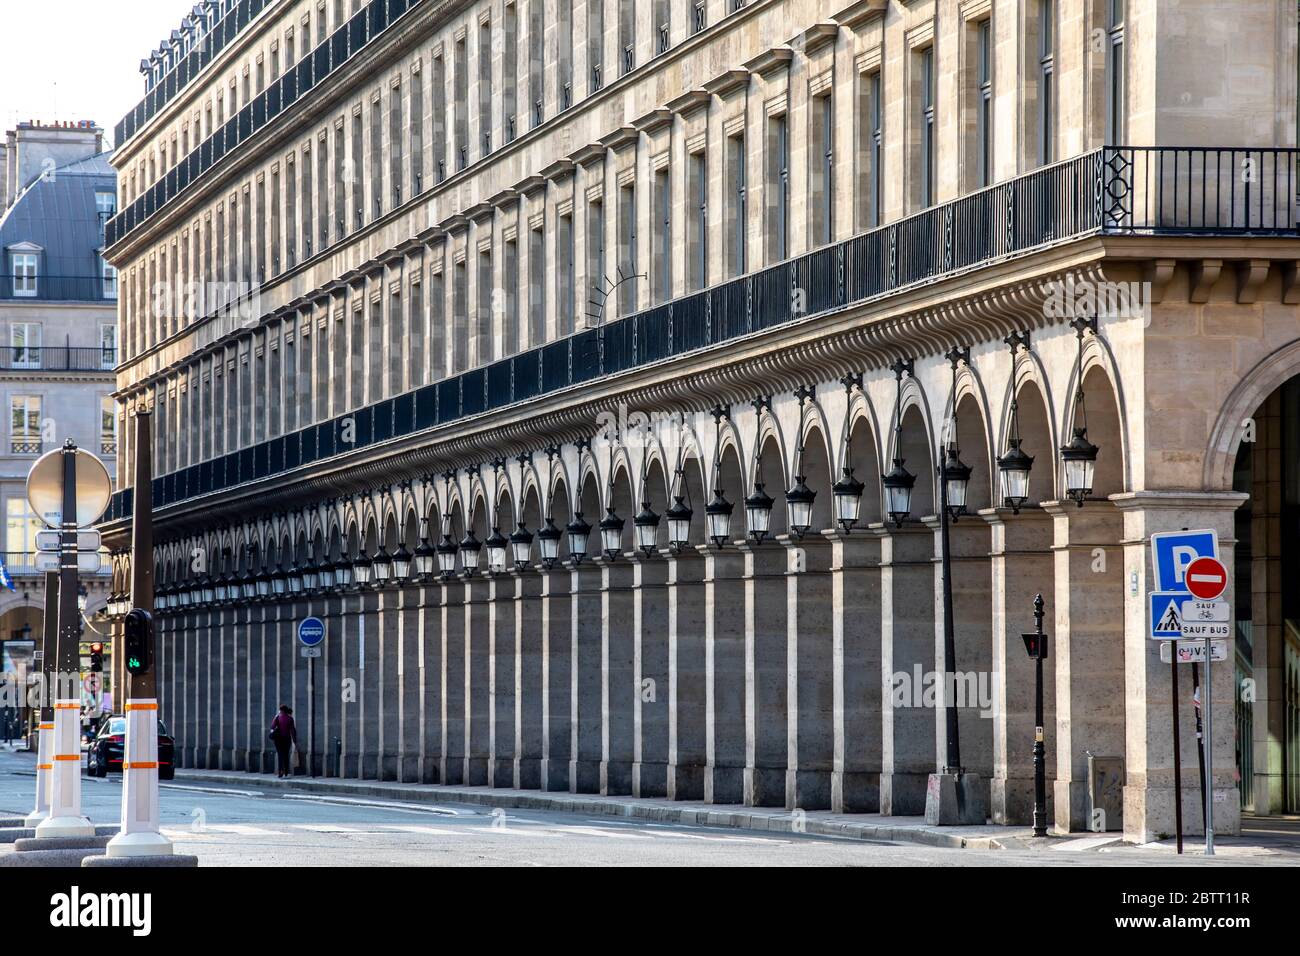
point(1107, 191)
point(57, 358)
point(49, 288)
point(347, 41)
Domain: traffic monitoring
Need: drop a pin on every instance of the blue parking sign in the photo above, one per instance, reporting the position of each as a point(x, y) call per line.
point(1173, 551)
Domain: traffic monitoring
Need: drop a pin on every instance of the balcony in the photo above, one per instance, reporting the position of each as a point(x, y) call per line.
point(43, 288)
point(57, 358)
point(1109, 191)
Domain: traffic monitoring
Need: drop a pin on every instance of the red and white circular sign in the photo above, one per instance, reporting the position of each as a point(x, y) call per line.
point(1206, 578)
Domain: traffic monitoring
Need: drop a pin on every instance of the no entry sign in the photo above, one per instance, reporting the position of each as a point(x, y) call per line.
point(1206, 578)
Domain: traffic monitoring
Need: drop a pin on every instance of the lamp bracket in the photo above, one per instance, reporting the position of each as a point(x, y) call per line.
point(903, 366)
point(958, 354)
point(720, 412)
point(851, 381)
point(1016, 340)
point(1084, 323)
point(804, 394)
point(762, 403)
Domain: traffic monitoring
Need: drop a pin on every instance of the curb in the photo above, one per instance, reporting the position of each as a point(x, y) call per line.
point(631, 808)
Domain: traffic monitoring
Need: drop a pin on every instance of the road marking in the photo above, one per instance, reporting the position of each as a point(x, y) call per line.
point(379, 804)
point(243, 829)
point(422, 831)
point(224, 793)
point(1086, 843)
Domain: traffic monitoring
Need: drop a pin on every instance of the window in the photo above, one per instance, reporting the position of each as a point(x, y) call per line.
point(24, 273)
point(108, 345)
point(872, 146)
point(779, 185)
point(485, 89)
point(21, 526)
point(821, 166)
point(662, 217)
point(25, 340)
point(595, 41)
point(627, 257)
point(1046, 78)
point(107, 426)
point(984, 101)
point(564, 273)
point(697, 233)
point(1115, 107)
point(928, 171)
point(109, 275)
point(596, 279)
point(25, 425)
point(536, 287)
point(737, 219)
point(105, 206)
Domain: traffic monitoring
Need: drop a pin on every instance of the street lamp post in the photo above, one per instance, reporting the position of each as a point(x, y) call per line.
point(1036, 645)
point(953, 476)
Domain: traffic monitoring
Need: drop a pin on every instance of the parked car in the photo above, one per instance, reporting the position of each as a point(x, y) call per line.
point(105, 750)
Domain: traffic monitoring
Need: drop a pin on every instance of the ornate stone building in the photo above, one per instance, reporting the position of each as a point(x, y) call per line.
point(587, 368)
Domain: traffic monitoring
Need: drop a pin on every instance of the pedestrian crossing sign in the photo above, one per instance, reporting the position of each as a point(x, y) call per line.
point(1166, 615)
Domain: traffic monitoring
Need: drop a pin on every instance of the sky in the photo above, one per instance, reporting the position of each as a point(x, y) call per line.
point(78, 59)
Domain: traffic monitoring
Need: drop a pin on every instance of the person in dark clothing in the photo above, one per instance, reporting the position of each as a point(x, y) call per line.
point(284, 734)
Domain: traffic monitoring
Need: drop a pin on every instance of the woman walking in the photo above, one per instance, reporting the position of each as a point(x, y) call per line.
point(284, 734)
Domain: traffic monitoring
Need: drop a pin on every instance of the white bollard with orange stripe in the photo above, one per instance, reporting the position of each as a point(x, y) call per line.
point(44, 743)
point(65, 819)
point(140, 835)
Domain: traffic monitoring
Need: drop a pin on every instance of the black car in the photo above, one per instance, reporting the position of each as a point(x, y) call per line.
point(105, 751)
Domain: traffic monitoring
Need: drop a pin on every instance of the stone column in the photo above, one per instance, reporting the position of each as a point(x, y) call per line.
point(1149, 791)
point(767, 678)
point(332, 674)
point(856, 676)
point(651, 682)
point(429, 617)
point(1022, 568)
point(728, 679)
point(529, 666)
point(907, 664)
point(810, 672)
point(620, 690)
point(478, 678)
point(410, 674)
point(235, 624)
point(453, 697)
point(388, 636)
point(973, 645)
point(689, 696)
point(504, 685)
point(587, 682)
point(372, 615)
point(557, 681)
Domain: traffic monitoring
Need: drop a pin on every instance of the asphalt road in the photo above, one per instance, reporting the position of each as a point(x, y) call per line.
point(232, 826)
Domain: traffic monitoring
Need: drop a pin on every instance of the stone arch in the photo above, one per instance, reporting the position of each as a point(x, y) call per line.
point(770, 471)
point(1230, 423)
point(861, 454)
point(1039, 439)
point(813, 460)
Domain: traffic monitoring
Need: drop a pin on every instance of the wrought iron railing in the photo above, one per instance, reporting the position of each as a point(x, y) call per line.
point(1088, 195)
point(57, 358)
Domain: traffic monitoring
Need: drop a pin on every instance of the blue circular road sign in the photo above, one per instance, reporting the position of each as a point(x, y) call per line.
point(311, 631)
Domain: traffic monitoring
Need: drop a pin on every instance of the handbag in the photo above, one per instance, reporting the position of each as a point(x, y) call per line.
point(273, 734)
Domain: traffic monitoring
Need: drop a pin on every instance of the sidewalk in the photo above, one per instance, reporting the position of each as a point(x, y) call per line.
point(866, 826)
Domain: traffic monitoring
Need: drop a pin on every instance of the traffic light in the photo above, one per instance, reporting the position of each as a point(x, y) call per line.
point(139, 642)
point(96, 657)
point(1036, 645)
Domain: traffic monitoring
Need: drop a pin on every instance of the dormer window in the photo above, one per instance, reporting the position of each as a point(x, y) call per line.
point(25, 273)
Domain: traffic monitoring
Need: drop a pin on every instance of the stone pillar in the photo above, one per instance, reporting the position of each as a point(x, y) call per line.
point(972, 645)
point(651, 681)
point(452, 603)
point(855, 636)
point(235, 625)
point(557, 680)
point(388, 688)
point(1022, 568)
point(504, 685)
point(907, 663)
point(810, 673)
point(529, 666)
point(410, 710)
point(1149, 783)
point(587, 680)
point(332, 673)
point(620, 690)
point(689, 693)
point(429, 617)
point(348, 722)
point(373, 615)
point(728, 678)
point(478, 677)
point(1085, 618)
point(767, 678)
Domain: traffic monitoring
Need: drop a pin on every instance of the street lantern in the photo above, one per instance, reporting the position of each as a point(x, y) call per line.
point(362, 569)
point(799, 505)
point(382, 566)
point(1013, 475)
point(469, 552)
point(717, 515)
point(324, 577)
point(548, 543)
point(847, 493)
point(279, 581)
point(898, 493)
point(248, 584)
point(497, 545)
point(956, 478)
point(426, 559)
point(222, 589)
point(679, 524)
point(521, 546)
point(263, 584)
point(343, 574)
point(578, 531)
point(293, 579)
point(646, 528)
point(209, 590)
point(446, 556)
point(1080, 460)
point(401, 562)
point(611, 534)
point(758, 513)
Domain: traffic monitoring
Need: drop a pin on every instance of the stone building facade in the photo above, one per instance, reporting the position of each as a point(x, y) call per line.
point(534, 268)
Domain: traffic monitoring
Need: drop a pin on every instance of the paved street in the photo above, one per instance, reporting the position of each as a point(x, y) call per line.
point(264, 826)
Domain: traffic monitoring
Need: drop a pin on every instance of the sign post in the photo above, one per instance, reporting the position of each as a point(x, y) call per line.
point(1206, 578)
point(311, 634)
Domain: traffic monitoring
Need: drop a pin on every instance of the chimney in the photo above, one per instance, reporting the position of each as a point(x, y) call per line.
point(35, 148)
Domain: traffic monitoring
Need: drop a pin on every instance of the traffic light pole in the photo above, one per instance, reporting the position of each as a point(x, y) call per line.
point(140, 835)
point(66, 819)
point(45, 725)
